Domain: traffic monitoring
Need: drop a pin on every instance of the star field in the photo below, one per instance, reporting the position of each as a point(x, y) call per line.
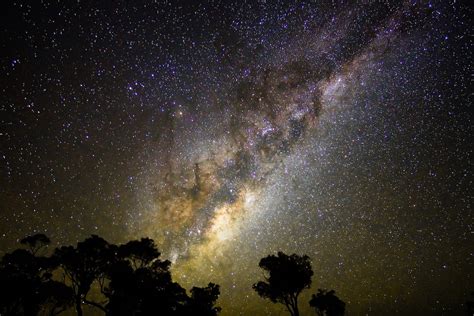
point(227, 131)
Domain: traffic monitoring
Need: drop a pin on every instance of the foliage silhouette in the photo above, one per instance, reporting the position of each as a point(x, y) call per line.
point(82, 266)
point(141, 253)
point(35, 242)
point(140, 282)
point(286, 277)
point(26, 285)
point(132, 278)
point(202, 300)
point(326, 303)
point(57, 297)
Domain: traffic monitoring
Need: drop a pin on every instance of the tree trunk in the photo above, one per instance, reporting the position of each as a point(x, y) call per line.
point(296, 311)
point(79, 306)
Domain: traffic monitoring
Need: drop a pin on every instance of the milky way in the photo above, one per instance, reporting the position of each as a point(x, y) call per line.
point(229, 131)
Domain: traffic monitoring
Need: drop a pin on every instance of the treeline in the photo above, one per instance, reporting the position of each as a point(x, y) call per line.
point(132, 278)
point(134, 281)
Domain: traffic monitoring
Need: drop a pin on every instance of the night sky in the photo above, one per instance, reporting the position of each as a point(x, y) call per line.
point(227, 131)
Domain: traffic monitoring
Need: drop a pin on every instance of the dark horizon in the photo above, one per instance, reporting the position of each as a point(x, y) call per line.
point(230, 130)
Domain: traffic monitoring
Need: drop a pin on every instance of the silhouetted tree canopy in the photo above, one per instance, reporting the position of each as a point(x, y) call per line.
point(202, 300)
point(326, 303)
point(141, 283)
point(57, 297)
point(26, 285)
point(133, 280)
point(286, 277)
point(140, 253)
point(82, 266)
point(35, 242)
point(132, 277)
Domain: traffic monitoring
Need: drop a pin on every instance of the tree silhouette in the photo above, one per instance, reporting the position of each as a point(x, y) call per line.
point(132, 277)
point(26, 284)
point(141, 281)
point(57, 297)
point(326, 303)
point(20, 281)
point(203, 299)
point(286, 277)
point(141, 284)
point(140, 253)
point(35, 242)
point(82, 266)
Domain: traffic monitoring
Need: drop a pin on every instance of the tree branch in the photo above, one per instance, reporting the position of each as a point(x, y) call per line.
point(102, 308)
